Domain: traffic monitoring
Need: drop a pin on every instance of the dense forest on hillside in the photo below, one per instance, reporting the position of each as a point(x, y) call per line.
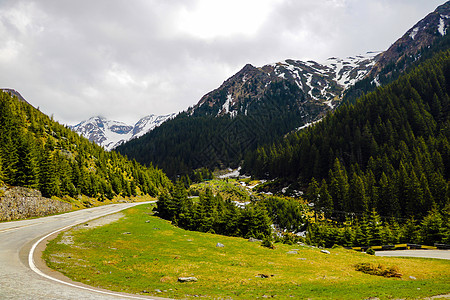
point(37, 152)
point(389, 151)
point(191, 142)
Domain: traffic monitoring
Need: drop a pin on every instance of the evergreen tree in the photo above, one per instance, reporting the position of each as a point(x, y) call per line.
point(432, 229)
point(339, 187)
point(48, 183)
point(325, 200)
point(375, 229)
point(26, 166)
point(313, 195)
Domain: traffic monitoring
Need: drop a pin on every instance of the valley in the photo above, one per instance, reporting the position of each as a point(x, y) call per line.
point(288, 180)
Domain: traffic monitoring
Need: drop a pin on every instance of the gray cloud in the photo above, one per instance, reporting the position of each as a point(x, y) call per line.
point(127, 59)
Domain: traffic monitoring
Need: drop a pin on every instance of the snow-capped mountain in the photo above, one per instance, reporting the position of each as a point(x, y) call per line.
point(321, 85)
point(109, 134)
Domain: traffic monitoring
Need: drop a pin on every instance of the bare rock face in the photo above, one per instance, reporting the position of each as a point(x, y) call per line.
point(20, 203)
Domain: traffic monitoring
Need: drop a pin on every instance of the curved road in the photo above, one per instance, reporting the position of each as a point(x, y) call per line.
point(441, 254)
point(18, 280)
point(21, 279)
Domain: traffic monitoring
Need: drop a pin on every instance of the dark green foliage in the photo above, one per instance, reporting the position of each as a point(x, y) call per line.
point(389, 151)
point(287, 214)
point(189, 142)
point(213, 214)
point(37, 152)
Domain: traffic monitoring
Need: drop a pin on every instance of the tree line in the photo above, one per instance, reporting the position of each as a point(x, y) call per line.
point(211, 213)
point(189, 142)
point(37, 152)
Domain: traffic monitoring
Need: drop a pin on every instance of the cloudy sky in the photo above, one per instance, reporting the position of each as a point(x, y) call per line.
point(127, 59)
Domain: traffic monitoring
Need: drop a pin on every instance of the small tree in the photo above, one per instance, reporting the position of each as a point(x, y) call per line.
point(431, 228)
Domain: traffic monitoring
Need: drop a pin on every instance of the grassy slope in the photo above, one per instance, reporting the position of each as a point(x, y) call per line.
point(154, 254)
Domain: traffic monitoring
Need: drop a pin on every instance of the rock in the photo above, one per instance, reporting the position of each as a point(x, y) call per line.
point(187, 279)
point(325, 251)
point(253, 240)
point(264, 276)
point(412, 277)
point(301, 258)
point(158, 291)
point(126, 232)
point(220, 245)
point(292, 252)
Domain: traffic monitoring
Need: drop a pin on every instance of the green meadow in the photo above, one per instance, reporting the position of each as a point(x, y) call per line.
point(143, 254)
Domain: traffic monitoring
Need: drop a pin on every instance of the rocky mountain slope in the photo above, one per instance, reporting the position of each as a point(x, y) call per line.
point(321, 85)
point(109, 134)
point(422, 35)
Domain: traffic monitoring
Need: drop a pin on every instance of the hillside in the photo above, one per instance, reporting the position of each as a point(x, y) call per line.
point(389, 151)
point(260, 105)
point(37, 152)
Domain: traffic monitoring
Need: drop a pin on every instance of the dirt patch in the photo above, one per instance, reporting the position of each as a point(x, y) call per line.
point(101, 221)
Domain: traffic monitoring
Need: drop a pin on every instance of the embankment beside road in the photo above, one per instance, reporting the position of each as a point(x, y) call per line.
point(20, 203)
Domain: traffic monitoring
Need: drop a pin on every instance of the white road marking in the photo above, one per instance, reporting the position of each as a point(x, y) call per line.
point(39, 272)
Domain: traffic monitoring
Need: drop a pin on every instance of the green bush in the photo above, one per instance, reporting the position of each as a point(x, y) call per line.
point(370, 251)
point(378, 270)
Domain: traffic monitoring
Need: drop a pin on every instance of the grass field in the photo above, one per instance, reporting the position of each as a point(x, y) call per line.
point(145, 255)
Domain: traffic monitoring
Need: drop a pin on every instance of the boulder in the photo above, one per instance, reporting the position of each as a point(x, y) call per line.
point(325, 251)
point(220, 245)
point(187, 279)
point(253, 240)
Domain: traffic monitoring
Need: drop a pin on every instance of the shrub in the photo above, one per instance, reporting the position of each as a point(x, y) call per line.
point(378, 270)
point(370, 251)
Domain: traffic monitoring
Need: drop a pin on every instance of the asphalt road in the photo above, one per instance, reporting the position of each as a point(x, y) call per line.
point(19, 276)
point(441, 254)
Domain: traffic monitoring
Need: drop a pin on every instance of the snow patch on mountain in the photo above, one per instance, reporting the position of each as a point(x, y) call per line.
point(414, 32)
point(441, 27)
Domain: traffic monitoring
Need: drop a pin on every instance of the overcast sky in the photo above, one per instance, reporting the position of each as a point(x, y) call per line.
point(128, 59)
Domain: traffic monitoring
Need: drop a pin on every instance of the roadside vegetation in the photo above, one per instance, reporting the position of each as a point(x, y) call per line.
point(144, 254)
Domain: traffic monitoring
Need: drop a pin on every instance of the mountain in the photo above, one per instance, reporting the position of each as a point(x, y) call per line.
point(420, 36)
point(389, 151)
point(109, 134)
point(321, 86)
point(14, 93)
point(420, 42)
point(39, 153)
point(260, 105)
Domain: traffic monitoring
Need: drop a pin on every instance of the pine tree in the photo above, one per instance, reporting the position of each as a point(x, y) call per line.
point(313, 195)
point(26, 167)
point(432, 229)
point(325, 200)
point(358, 200)
point(339, 186)
point(375, 229)
point(48, 184)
